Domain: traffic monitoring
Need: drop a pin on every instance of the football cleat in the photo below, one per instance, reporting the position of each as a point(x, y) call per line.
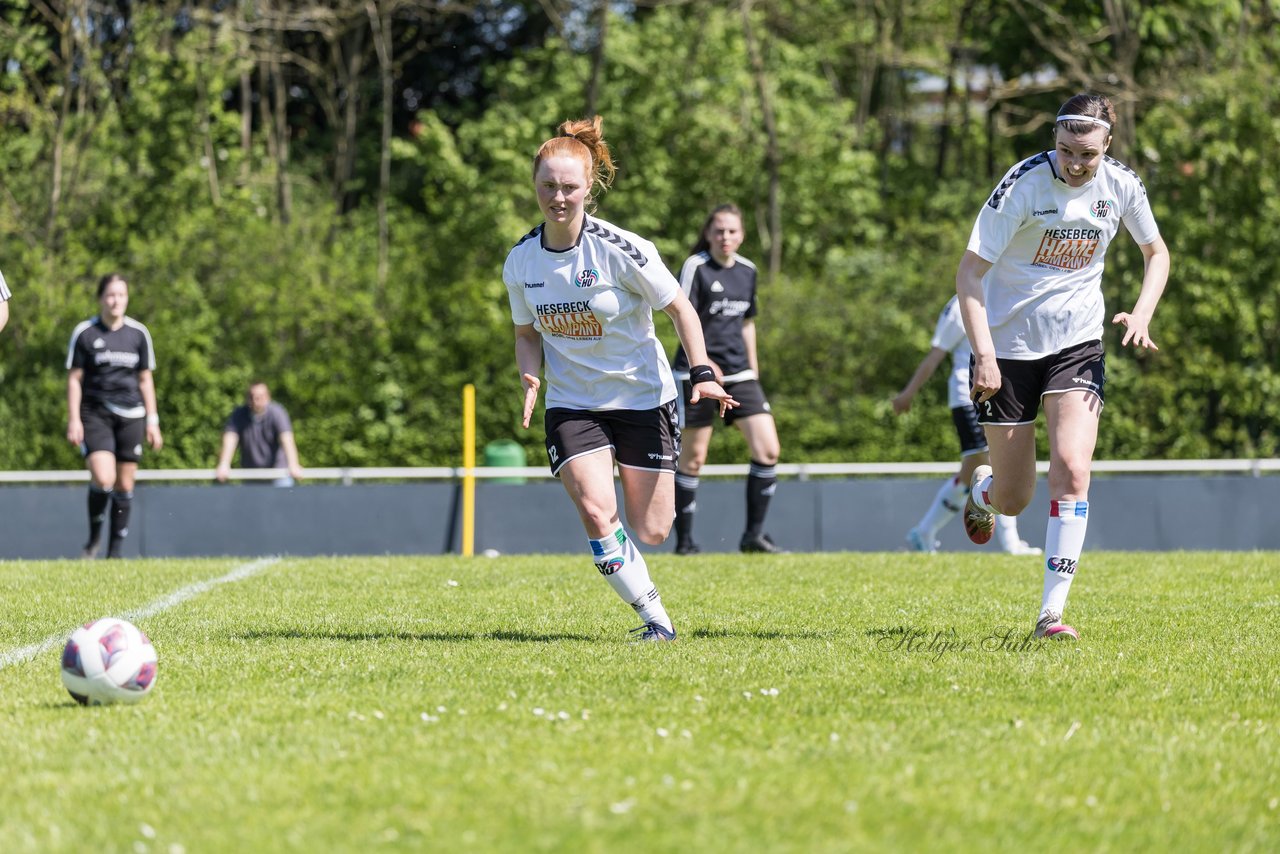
point(1050, 625)
point(978, 523)
point(688, 548)
point(90, 550)
point(916, 543)
point(760, 544)
point(653, 632)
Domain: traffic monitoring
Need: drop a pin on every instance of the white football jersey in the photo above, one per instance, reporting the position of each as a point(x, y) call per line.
point(593, 305)
point(1047, 243)
point(949, 335)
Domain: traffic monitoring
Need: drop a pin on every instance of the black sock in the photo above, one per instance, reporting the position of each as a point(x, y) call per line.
point(761, 483)
point(686, 506)
point(121, 504)
point(98, 500)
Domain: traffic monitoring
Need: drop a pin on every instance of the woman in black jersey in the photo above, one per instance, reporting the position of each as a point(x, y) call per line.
point(111, 408)
point(721, 284)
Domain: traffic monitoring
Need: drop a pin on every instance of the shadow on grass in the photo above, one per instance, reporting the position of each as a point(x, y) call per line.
point(894, 631)
point(437, 637)
point(759, 634)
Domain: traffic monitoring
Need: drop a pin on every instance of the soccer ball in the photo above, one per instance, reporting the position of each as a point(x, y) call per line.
point(108, 661)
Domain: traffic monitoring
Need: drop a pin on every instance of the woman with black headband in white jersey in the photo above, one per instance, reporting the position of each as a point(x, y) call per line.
point(582, 294)
point(1030, 289)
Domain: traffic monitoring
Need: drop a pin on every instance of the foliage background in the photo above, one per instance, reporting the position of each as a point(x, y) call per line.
point(322, 196)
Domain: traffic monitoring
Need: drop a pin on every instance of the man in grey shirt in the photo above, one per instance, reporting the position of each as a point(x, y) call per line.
point(264, 434)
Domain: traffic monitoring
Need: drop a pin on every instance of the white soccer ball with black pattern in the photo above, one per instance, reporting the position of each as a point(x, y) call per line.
point(108, 661)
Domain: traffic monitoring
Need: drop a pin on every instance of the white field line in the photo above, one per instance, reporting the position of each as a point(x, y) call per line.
point(177, 597)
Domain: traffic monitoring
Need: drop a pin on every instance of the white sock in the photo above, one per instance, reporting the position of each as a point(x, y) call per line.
point(946, 504)
point(624, 568)
point(980, 493)
point(1063, 542)
point(1007, 531)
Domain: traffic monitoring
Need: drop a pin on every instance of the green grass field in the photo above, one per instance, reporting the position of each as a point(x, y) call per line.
point(355, 704)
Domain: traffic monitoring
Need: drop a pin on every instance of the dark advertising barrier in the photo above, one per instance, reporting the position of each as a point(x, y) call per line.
point(1147, 513)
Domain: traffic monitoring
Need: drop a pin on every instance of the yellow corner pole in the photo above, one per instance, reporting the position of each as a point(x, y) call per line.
point(469, 470)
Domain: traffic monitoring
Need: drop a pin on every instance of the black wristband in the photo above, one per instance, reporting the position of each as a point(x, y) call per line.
point(701, 374)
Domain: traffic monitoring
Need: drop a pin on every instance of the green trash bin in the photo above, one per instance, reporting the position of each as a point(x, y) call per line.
point(504, 452)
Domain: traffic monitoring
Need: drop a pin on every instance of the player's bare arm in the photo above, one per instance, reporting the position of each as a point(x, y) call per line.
point(1137, 322)
point(986, 373)
point(689, 328)
point(529, 363)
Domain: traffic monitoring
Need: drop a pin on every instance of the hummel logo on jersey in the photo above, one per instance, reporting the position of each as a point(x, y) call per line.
point(1045, 212)
point(98, 344)
point(1083, 381)
point(1101, 208)
point(588, 278)
point(660, 456)
point(535, 284)
point(717, 288)
point(617, 240)
point(1006, 185)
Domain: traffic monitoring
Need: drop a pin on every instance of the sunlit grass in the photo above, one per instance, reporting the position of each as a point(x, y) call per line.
point(813, 702)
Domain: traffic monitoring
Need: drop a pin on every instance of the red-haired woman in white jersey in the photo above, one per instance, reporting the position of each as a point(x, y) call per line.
point(582, 294)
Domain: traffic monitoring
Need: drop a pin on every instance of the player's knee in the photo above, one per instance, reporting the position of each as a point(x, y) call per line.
point(691, 465)
point(596, 514)
point(1015, 505)
point(1070, 480)
point(652, 534)
point(1011, 499)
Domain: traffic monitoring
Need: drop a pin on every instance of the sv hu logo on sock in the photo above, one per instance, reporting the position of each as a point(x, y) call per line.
point(1064, 565)
point(609, 567)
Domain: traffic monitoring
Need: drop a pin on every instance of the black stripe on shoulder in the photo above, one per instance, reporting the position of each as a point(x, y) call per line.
point(536, 231)
point(628, 248)
point(1007, 184)
point(1116, 163)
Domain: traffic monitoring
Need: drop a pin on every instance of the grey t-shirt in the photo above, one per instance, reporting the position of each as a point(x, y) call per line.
point(260, 435)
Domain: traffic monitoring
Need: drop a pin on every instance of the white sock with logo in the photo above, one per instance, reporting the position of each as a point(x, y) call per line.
point(1063, 542)
point(624, 568)
point(948, 501)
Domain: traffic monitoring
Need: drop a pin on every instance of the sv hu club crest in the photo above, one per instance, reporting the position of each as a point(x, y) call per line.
point(609, 567)
point(588, 278)
point(1101, 208)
